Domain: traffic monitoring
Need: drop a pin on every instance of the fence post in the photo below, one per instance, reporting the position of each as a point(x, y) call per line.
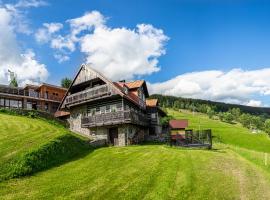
point(265, 159)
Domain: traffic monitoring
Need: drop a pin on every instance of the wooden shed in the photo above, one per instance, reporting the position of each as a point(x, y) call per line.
point(177, 128)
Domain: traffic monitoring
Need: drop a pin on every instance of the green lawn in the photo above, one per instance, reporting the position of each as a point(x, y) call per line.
point(146, 172)
point(226, 133)
point(234, 170)
point(21, 134)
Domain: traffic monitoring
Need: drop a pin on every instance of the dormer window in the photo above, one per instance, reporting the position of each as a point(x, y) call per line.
point(125, 90)
point(141, 94)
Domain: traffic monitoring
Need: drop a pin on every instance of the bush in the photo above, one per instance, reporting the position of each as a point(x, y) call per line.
point(55, 152)
point(226, 117)
point(165, 120)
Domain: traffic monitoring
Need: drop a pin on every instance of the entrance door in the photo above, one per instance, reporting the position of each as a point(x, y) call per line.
point(34, 105)
point(113, 136)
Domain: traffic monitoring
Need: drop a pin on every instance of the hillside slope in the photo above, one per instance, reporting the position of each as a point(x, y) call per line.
point(146, 172)
point(233, 134)
point(28, 145)
point(157, 171)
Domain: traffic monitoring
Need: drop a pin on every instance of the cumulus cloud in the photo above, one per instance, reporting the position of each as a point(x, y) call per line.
point(235, 86)
point(12, 56)
point(254, 103)
point(121, 53)
point(44, 34)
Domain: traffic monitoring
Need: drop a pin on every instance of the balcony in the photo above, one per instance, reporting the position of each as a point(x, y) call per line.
point(89, 94)
point(112, 118)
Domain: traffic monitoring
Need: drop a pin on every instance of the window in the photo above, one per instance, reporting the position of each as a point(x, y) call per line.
point(46, 107)
point(141, 94)
point(92, 112)
point(29, 106)
point(108, 109)
point(113, 108)
point(13, 103)
point(20, 104)
point(125, 90)
point(119, 106)
point(2, 102)
point(33, 93)
point(7, 102)
point(102, 109)
point(46, 95)
point(153, 115)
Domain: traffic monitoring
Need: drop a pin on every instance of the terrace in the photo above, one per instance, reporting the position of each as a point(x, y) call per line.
point(88, 94)
point(112, 118)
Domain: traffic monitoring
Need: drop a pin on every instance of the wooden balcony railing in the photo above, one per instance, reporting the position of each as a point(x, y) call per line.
point(113, 118)
point(91, 93)
point(25, 93)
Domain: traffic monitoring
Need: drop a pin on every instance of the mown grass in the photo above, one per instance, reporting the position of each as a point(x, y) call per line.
point(233, 134)
point(233, 170)
point(20, 135)
point(146, 172)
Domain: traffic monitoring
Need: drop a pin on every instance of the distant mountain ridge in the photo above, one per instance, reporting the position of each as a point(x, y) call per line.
point(189, 103)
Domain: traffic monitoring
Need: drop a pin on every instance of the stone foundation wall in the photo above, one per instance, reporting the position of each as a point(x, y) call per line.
point(127, 133)
point(75, 121)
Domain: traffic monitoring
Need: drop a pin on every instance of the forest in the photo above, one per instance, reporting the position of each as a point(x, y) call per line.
point(254, 118)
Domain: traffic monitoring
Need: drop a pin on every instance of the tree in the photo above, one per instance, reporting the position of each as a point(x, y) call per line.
point(165, 120)
point(13, 82)
point(245, 120)
point(210, 112)
point(226, 117)
point(267, 126)
point(66, 82)
point(236, 112)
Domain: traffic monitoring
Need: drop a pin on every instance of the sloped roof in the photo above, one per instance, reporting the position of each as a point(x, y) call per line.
point(53, 86)
point(151, 102)
point(130, 96)
point(117, 85)
point(178, 123)
point(61, 113)
point(134, 84)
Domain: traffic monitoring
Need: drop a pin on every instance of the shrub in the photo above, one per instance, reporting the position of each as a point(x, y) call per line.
point(55, 152)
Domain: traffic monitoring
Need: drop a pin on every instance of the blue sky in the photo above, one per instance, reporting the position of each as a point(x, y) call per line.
point(227, 38)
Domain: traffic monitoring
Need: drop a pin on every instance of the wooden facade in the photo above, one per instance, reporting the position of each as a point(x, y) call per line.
point(103, 109)
point(44, 97)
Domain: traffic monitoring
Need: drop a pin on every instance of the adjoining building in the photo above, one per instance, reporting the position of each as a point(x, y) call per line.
point(44, 97)
point(177, 128)
point(116, 112)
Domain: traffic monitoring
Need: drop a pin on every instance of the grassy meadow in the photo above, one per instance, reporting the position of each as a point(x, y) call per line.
point(234, 169)
point(233, 134)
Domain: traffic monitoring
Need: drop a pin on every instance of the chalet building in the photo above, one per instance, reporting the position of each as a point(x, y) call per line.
point(154, 114)
point(44, 97)
point(116, 112)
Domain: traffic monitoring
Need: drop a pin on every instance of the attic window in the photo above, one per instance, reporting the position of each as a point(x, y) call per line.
point(125, 90)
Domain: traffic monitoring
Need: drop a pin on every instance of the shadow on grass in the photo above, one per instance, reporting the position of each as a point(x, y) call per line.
point(61, 150)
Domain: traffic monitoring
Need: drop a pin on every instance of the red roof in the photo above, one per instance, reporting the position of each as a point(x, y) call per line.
point(61, 113)
point(130, 95)
point(134, 84)
point(178, 123)
point(151, 102)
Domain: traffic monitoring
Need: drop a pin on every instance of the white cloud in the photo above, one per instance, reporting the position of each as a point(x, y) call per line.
point(18, 12)
point(235, 86)
point(61, 58)
point(44, 34)
point(254, 103)
point(30, 3)
point(12, 56)
point(121, 53)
